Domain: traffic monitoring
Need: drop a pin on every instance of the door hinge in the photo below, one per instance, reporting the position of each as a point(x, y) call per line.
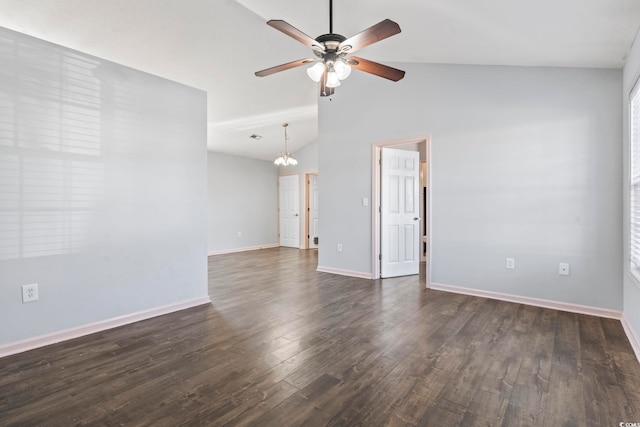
point(380, 257)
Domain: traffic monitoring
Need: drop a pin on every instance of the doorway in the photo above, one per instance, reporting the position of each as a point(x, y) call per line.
point(420, 144)
point(288, 211)
point(311, 211)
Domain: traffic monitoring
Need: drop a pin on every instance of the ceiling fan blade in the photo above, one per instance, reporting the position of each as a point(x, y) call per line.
point(375, 68)
point(292, 31)
point(324, 90)
point(380, 31)
point(282, 67)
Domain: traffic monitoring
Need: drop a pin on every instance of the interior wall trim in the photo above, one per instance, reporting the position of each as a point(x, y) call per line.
point(350, 273)
point(537, 302)
point(632, 336)
point(102, 325)
point(245, 249)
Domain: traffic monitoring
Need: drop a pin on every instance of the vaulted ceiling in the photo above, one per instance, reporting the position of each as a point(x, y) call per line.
point(217, 45)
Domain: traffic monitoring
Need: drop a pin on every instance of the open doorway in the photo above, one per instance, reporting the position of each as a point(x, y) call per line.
point(311, 211)
point(422, 145)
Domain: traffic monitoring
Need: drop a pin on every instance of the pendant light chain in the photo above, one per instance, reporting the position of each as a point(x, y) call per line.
point(286, 138)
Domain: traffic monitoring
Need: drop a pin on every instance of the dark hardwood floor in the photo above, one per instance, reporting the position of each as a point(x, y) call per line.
point(284, 345)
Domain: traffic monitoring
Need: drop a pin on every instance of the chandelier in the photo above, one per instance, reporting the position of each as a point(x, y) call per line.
point(285, 158)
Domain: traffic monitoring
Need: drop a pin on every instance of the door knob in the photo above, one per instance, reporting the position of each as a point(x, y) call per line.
point(297, 215)
point(416, 218)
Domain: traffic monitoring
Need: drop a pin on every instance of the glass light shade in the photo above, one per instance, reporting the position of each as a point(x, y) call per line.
point(285, 159)
point(332, 79)
point(315, 71)
point(342, 69)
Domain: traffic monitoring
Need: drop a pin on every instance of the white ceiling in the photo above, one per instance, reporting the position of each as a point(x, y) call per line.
point(217, 45)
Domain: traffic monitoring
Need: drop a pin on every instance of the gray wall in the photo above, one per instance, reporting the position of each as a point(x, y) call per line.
point(243, 198)
point(526, 164)
point(631, 285)
point(102, 191)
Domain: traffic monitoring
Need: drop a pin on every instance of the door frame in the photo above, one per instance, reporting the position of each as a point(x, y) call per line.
point(375, 197)
point(307, 177)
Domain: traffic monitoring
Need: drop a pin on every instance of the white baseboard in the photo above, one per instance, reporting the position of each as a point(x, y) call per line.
point(556, 305)
point(341, 272)
point(245, 249)
point(632, 336)
point(102, 325)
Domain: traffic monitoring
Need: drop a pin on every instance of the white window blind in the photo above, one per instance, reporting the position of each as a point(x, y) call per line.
point(634, 215)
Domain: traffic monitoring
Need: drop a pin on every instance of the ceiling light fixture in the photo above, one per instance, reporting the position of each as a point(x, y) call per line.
point(315, 71)
point(332, 78)
point(285, 158)
point(342, 69)
point(332, 61)
point(333, 70)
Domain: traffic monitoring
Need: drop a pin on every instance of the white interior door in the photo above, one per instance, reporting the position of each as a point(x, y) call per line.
point(313, 210)
point(400, 213)
point(289, 211)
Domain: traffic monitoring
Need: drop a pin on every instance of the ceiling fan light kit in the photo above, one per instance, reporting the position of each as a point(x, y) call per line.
point(342, 69)
point(332, 64)
point(316, 71)
point(332, 78)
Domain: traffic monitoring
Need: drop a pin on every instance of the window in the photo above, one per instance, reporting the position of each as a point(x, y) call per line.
point(634, 174)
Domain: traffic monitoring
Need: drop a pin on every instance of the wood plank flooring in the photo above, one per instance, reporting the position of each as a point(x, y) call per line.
point(284, 345)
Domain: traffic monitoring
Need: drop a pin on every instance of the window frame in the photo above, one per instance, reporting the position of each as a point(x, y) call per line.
point(634, 181)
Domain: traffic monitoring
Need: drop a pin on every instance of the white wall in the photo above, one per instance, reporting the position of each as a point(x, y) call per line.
point(526, 164)
point(307, 158)
point(102, 190)
point(631, 297)
point(243, 198)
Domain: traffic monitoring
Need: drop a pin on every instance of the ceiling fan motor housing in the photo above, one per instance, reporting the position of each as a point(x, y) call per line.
point(327, 38)
point(331, 43)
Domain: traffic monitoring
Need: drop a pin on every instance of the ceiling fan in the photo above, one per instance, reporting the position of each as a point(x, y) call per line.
point(331, 63)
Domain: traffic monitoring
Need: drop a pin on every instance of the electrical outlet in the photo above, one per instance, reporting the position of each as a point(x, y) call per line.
point(339, 248)
point(510, 263)
point(563, 269)
point(30, 292)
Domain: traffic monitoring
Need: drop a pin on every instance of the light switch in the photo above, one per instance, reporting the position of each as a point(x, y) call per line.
point(365, 201)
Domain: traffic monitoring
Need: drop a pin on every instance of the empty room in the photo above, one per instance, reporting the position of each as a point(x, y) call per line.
point(330, 212)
